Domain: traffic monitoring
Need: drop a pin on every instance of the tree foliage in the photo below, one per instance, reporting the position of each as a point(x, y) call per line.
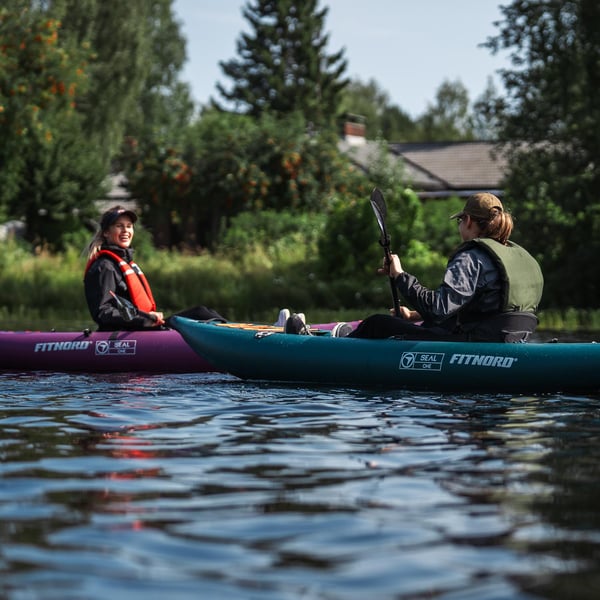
point(163, 109)
point(382, 119)
point(449, 118)
point(73, 74)
point(232, 163)
point(119, 34)
point(349, 243)
point(551, 117)
point(284, 67)
point(485, 113)
point(48, 172)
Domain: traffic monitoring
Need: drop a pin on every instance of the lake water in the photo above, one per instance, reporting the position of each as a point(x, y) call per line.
point(204, 486)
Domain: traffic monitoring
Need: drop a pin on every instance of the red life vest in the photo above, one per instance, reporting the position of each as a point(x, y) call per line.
point(137, 284)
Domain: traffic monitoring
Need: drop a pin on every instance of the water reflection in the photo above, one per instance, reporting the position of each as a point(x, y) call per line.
point(180, 484)
point(540, 467)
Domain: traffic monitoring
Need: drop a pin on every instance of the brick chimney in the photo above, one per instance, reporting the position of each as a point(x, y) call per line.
point(354, 130)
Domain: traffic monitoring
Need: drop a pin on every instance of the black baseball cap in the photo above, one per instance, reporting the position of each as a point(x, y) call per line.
point(112, 214)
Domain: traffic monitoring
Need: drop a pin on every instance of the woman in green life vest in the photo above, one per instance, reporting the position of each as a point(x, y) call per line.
point(490, 291)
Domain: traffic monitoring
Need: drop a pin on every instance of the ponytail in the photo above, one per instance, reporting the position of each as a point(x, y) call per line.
point(498, 228)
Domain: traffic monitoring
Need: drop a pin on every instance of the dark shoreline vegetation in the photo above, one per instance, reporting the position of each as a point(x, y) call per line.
point(45, 291)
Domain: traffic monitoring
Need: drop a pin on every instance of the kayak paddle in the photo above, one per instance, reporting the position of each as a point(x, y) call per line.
point(380, 210)
point(127, 310)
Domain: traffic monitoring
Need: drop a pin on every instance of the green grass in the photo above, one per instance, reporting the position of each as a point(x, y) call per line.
point(44, 291)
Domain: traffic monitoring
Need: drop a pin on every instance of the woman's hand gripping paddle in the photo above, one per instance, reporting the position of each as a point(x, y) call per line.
point(380, 210)
point(127, 310)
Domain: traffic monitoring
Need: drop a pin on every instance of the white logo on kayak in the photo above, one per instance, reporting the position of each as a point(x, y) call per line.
point(115, 347)
point(421, 361)
point(61, 346)
point(433, 361)
point(483, 360)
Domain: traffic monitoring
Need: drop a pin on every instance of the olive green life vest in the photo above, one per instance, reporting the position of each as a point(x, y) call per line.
point(521, 274)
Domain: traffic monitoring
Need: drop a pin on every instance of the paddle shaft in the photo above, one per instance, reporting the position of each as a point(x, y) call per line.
point(388, 262)
point(380, 210)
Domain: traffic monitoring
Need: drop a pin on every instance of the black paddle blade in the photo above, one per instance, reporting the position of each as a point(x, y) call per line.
point(380, 210)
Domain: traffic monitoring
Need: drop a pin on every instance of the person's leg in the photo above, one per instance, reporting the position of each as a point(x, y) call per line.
point(201, 313)
point(380, 327)
point(386, 326)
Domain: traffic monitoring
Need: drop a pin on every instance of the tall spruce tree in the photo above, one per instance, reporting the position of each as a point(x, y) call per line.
point(283, 66)
point(551, 117)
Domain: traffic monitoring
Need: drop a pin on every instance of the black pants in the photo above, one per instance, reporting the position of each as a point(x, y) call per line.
point(386, 326)
point(200, 313)
point(509, 327)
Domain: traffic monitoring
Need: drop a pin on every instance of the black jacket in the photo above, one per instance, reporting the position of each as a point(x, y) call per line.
point(103, 277)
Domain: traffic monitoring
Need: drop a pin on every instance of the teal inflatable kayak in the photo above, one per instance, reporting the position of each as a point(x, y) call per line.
point(400, 364)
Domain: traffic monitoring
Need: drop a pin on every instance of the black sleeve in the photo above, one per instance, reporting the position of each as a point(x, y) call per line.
point(457, 289)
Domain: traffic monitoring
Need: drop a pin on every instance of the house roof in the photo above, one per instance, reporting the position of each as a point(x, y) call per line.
point(440, 168)
point(456, 166)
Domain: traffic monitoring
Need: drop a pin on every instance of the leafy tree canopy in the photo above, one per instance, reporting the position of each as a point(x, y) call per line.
point(232, 163)
point(383, 119)
point(40, 78)
point(74, 75)
point(551, 119)
point(449, 118)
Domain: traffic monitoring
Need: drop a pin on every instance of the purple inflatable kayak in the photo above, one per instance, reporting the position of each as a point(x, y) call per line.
point(161, 351)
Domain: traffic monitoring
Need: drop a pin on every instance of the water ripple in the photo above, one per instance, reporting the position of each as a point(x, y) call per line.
point(175, 486)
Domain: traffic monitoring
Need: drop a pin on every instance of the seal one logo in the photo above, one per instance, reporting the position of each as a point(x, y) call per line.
point(433, 361)
point(421, 361)
point(115, 347)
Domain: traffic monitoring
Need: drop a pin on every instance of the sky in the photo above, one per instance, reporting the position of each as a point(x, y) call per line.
point(409, 47)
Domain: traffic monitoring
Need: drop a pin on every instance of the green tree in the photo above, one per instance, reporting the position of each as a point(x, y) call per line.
point(283, 66)
point(157, 128)
point(77, 74)
point(120, 35)
point(551, 118)
point(349, 244)
point(383, 119)
point(42, 76)
point(485, 113)
point(163, 109)
point(233, 163)
point(397, 125)
point(449, 118)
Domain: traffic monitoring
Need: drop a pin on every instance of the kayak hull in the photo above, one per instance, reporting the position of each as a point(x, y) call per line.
point(161, 351)
point(150, 351)
point(400, 364)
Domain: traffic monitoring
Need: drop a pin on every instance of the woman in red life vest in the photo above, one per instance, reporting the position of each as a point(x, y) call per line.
point(113, 282)
point(111, 270)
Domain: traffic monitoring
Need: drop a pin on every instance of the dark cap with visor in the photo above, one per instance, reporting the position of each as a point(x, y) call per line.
point(112, 214)
point(483, 206)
